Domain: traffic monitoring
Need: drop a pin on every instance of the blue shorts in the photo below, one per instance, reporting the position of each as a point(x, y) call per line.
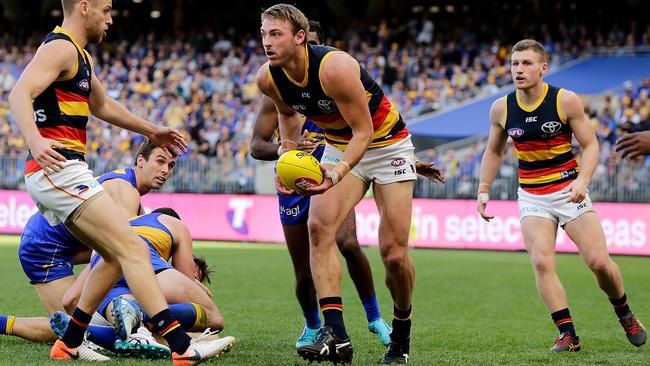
point(44, 260)
point(294, 208)
point(121, 287)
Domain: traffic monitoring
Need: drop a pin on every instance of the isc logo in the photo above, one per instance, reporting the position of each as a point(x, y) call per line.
point(531, 119)
point(400, 171)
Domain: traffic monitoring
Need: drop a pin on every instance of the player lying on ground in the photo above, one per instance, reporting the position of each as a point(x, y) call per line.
point(168, 238)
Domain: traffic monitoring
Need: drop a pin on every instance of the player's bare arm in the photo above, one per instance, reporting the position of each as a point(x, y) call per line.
point(266, 123)
point(52, 61)
point(341, 81)
point(492, 156)
point(181, 252)
point(584, 133)
point(288, 119)
point(111, 111)
point(124, 195)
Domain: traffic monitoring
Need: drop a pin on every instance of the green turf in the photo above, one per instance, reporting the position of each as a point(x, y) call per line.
point(470, 308)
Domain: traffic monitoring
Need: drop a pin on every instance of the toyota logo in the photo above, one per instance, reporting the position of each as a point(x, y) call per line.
point(551, 126)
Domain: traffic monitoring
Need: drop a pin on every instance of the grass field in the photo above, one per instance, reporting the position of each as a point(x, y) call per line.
point(470, 308)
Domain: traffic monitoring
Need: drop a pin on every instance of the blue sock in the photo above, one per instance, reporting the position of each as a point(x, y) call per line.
point(371, 307)
point(6, 324)
point(312, 318)
point(103, 336)
point(188, 314)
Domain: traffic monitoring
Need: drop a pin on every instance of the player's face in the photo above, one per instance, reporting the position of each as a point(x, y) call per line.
point(527, 68)
point(157, 169)
point(98, 19)
point(312, 38)
point(280, 44)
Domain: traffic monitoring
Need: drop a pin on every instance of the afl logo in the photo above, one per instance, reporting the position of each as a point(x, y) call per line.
point(83, 85)
point(515, 132)
point(551, 126)
point(326, 105)
point(398, 162)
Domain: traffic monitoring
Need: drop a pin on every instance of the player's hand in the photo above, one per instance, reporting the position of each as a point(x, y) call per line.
point(633, 145)
point(306, 144)
point(203, 287)
point(169, 139)
point(42, 151)
point(428, 170)
point(481, 205)
point(281, 188)
point(321, 188)
point(577, 190)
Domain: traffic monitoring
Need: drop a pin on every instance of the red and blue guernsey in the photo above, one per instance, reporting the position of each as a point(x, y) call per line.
point(61, 111)
point(542, 138)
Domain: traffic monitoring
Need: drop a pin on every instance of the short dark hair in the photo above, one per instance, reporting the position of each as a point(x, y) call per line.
point(315, 27)
point(145, 149)
point(204, 270)
point(167, 211)
point(530, 44)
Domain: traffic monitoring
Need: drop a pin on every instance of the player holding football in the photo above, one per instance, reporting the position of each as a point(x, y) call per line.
point(541, 120)
point(364, 134)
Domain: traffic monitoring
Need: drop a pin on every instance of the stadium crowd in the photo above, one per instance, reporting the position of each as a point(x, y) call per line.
point(204, 86)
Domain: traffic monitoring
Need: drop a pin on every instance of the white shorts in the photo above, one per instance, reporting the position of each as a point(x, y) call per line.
point(553, 206)
point(382, 165)
point(57, 195)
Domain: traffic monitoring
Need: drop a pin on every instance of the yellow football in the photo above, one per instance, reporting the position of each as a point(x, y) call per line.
point(298, 170)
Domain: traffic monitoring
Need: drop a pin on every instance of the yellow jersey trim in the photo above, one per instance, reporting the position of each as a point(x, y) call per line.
point(563, 117)
point(305, 79)
point(505, 112)
point(270, 76)
point(534, 106)
point(320, 68)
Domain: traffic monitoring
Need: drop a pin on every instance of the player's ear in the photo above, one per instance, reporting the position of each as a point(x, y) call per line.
point(301, 36)
point(139, 161)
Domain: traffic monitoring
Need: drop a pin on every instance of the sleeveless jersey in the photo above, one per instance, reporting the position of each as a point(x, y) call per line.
point(542, 138)
point(61, 111)
point(127, 174)
point(154, 233)
point(309, 99)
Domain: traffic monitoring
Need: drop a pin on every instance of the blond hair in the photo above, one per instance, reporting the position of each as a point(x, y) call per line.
point(290, 13)
point(530, 44)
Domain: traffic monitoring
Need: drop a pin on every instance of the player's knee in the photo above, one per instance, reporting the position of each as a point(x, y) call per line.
point(319, 229)
point(543, 265)
point(395, 259)
point(599, 265)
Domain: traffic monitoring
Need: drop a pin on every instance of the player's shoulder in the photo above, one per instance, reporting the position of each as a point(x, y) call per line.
point(58, 48)
point(262, 77)
point(499, 105)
